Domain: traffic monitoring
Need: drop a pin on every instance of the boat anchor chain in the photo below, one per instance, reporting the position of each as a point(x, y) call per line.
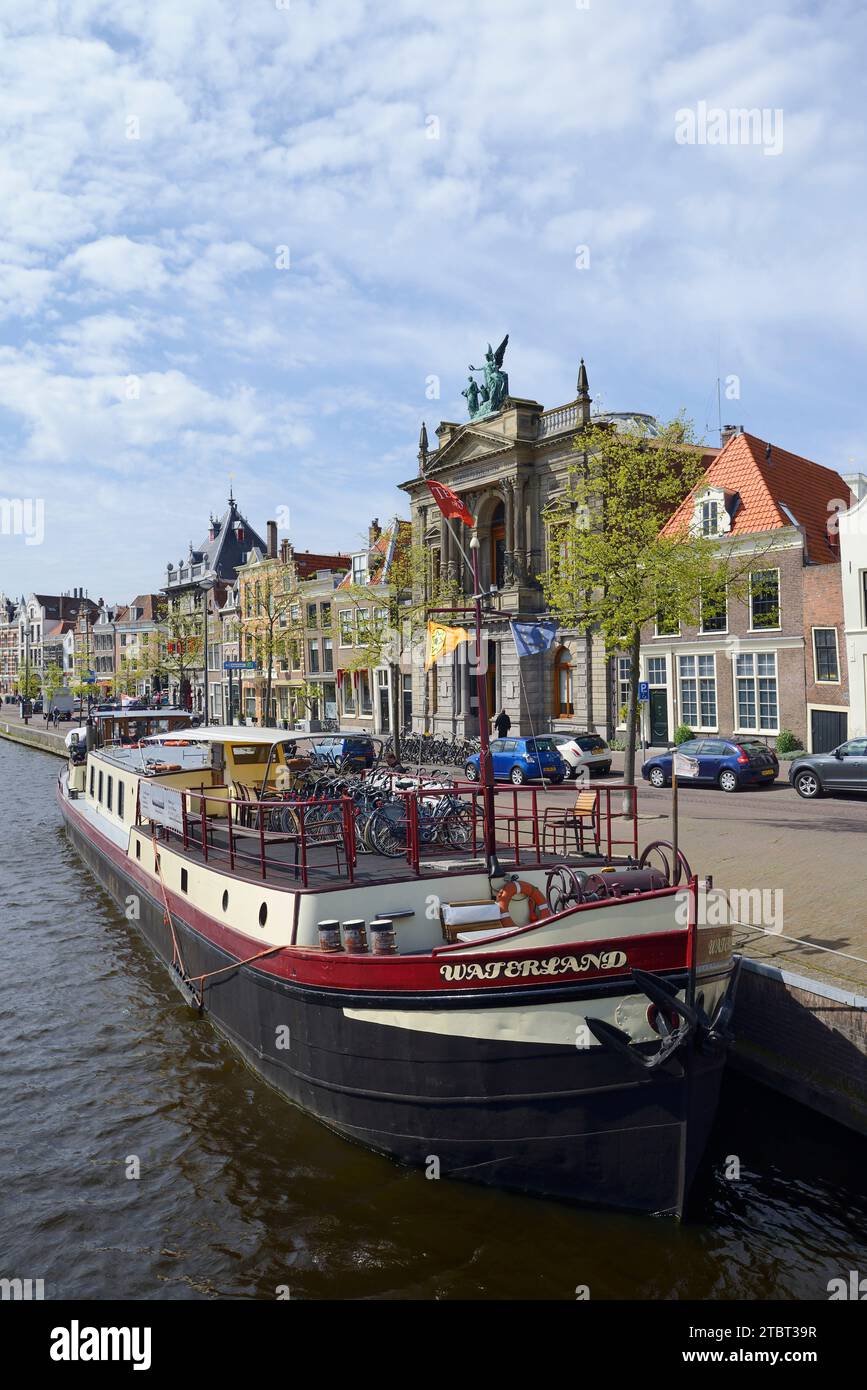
point(710, 1033)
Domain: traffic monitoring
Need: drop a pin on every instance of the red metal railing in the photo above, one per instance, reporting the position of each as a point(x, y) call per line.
point(244, 834)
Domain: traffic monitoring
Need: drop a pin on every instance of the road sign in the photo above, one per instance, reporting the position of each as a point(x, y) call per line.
point(239, 665)
point(643, 692)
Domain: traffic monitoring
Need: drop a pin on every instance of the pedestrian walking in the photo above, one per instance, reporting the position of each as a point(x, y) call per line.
point(502, 724)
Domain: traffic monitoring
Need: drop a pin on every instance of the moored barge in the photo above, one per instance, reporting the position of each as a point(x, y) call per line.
point(549, 1017)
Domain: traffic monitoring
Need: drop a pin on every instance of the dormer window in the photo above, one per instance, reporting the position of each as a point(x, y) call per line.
point(710, 517)
point(712, 512)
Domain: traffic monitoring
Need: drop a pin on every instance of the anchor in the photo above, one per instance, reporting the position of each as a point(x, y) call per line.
point(710, 1033)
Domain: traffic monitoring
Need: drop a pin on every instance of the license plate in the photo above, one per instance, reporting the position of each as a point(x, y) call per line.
point(768, 772)
point(597, 751)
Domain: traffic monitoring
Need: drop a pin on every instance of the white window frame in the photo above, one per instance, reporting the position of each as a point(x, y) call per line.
point(772, 569)
point(346, 628)
point(621, 682)
point(820, 680)
point(754, 652)
point(713, 631)
point(697, 726)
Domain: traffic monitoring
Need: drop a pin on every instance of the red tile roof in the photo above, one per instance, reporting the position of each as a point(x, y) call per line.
point(767, 482)
point(307, 563)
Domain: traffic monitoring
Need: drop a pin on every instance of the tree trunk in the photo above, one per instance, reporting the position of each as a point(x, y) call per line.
point(631, 717)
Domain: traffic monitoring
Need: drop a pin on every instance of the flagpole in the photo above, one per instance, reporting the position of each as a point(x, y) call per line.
point(529, 714)
point(486, 769)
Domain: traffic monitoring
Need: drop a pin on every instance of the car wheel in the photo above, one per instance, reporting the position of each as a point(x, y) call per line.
point(656, 777)
point(471, 772)
point(807, 785)
point(574, 772)
point(518, 776)
point(728, 780)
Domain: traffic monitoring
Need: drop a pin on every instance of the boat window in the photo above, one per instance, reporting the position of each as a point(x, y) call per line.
point(109, 792)
point(184, 881)
point(92, 775)
point(120, 792)
point(138, 849)
point(263, 914)
point(225, 899)
point(99, 790)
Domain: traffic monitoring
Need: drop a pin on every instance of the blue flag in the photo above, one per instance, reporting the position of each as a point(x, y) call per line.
point(533, 638)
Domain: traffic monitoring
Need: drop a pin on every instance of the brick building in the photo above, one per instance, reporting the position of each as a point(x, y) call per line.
point(771, 658)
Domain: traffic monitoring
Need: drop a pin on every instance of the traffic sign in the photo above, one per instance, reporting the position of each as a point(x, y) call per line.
point(643, 691)
point(239, 665)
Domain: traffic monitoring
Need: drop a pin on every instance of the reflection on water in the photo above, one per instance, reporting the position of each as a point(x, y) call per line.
point(240, 1194)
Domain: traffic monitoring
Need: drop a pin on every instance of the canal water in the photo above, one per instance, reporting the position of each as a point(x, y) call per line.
point(240, 1196)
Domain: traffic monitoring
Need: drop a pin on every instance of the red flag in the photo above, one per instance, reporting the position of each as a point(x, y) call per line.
point(449, 503)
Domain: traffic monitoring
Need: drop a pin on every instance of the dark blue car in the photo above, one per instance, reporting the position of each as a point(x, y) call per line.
point(720, 762)
point(521, 760)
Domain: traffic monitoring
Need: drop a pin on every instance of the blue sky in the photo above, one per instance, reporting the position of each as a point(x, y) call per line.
point(158, 160)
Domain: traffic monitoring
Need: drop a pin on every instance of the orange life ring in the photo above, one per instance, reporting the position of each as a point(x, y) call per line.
point(538, 901)
point(176, 743)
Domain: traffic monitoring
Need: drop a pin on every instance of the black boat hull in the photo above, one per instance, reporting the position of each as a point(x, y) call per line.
point(579, 1123)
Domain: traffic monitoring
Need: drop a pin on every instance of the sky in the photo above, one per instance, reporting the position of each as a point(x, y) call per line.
point(261, 240)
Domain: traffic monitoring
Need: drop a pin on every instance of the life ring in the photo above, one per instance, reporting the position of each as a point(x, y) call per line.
point(176, 743)
point(538, 902)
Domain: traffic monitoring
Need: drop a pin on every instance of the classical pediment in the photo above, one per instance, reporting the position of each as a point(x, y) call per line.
point(473, 442)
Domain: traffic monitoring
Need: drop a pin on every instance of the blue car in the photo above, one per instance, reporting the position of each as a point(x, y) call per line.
point(719, 762)
point(521, 760)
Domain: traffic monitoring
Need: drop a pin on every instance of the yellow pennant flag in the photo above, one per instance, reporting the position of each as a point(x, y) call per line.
point(441, 641)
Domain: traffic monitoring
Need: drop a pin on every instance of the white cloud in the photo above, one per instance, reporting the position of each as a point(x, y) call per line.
point(119, 265)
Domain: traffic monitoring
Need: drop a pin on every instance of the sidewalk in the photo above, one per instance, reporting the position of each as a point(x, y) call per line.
point(50, 739)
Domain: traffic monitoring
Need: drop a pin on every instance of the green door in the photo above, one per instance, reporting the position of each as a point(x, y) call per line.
point(658, 716)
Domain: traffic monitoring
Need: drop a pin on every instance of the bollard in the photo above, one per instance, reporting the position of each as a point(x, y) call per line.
point(355, 936)
point(329, 935)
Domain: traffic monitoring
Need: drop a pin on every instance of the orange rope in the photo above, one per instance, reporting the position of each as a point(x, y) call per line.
point(177, 958)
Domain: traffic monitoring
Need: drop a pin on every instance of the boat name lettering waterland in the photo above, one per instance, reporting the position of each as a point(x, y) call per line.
point(521, 969)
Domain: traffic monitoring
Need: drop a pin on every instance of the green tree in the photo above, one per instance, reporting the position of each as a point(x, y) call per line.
point(402, 605)
point(52, 682)
point(610, 566)
point(181, 642)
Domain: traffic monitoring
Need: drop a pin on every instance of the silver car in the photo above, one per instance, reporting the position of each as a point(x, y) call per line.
point(844, 769)
point(583, 751)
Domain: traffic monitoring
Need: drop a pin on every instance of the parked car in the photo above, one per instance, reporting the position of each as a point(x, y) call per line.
point(341, 750)
point(844, 769)
point(521, 760)
point(723, 762)
point(586, 750)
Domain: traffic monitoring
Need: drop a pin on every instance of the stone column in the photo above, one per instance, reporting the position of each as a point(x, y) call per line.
point(520, 564)
point(509, 498)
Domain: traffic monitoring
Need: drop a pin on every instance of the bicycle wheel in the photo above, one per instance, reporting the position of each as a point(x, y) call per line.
point(459, 826)
point(387, 831)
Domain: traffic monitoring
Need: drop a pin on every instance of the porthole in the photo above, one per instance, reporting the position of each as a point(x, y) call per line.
point(225, 899)
point(263, 914)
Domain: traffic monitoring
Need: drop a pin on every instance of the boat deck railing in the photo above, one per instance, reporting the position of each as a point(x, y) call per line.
point(274, 837)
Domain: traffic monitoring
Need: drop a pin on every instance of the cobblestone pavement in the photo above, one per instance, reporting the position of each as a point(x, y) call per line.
point(812, 852)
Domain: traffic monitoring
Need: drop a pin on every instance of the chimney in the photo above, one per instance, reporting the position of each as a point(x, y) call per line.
point(272, 540)
point(284, 552)
point(728, 432)
point(768, 458)
point(375, 531)
point(857, 482)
